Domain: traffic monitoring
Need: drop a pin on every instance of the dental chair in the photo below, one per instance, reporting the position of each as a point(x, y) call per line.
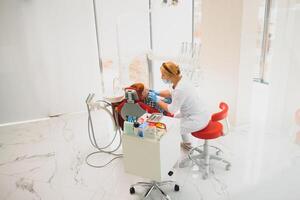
point(132, 106)
point(213, 130)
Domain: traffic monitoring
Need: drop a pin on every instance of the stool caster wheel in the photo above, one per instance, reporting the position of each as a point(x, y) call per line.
point(132, 190)
point(167, 197)
point(205, 176)
point(170, 173)
point(176, 188)
point(218, 152)
point(228, 167)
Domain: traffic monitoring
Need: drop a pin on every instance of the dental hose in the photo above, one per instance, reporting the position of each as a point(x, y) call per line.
point(93, 140)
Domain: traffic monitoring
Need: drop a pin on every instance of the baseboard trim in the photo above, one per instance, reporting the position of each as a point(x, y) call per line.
point(24, 122)
point(41, 119)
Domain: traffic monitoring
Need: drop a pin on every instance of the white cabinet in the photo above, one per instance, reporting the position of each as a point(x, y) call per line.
point(150, 158)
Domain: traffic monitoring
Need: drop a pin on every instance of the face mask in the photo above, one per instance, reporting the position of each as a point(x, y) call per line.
point(166, 81)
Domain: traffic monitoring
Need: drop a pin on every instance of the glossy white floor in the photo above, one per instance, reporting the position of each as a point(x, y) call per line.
point(46, 160)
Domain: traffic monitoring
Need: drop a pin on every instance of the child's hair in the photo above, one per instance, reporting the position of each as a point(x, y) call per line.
point(139, 87)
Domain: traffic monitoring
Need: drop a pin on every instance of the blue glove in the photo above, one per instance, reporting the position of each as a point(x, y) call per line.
point(167, 100)
point(156, 93)
point(153, 97)
point(131, 118)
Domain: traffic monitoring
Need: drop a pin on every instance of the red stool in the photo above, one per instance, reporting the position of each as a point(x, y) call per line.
point(213, 130)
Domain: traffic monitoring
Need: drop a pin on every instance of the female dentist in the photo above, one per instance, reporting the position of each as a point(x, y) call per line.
point(185, 104)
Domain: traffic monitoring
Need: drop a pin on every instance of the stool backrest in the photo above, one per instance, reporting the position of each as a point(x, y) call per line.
point(222, 114)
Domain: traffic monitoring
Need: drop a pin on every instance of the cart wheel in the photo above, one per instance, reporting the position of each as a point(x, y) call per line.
point(228, 166)
point(205, 176)
point(170, 173)
point(132, 190)
point(176, 187)
point(218, 152)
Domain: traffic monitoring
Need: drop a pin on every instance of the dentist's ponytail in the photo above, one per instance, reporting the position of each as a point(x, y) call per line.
point(170, 69)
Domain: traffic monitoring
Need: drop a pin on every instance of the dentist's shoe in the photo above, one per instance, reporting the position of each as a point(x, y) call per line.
point(186, 146)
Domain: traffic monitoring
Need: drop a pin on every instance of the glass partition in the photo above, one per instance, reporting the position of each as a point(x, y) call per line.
point(172, 26)
point(124, 43)
point(266, 30)
point(136, 36)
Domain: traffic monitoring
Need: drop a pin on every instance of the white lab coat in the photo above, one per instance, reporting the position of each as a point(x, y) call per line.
point(189, 108)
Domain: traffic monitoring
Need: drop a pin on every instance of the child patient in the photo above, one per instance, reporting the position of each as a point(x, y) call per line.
point(143, 92)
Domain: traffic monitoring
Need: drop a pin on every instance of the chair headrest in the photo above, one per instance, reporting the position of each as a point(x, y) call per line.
point(131, 95)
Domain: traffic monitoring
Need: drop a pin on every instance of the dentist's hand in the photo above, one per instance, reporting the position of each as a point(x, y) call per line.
point(155, 92)
point(153, 97)
point(167, 100)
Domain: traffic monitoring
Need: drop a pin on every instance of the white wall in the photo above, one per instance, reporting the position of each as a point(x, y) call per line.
point(172, 25)
point(221, 25)
point(48, 57)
